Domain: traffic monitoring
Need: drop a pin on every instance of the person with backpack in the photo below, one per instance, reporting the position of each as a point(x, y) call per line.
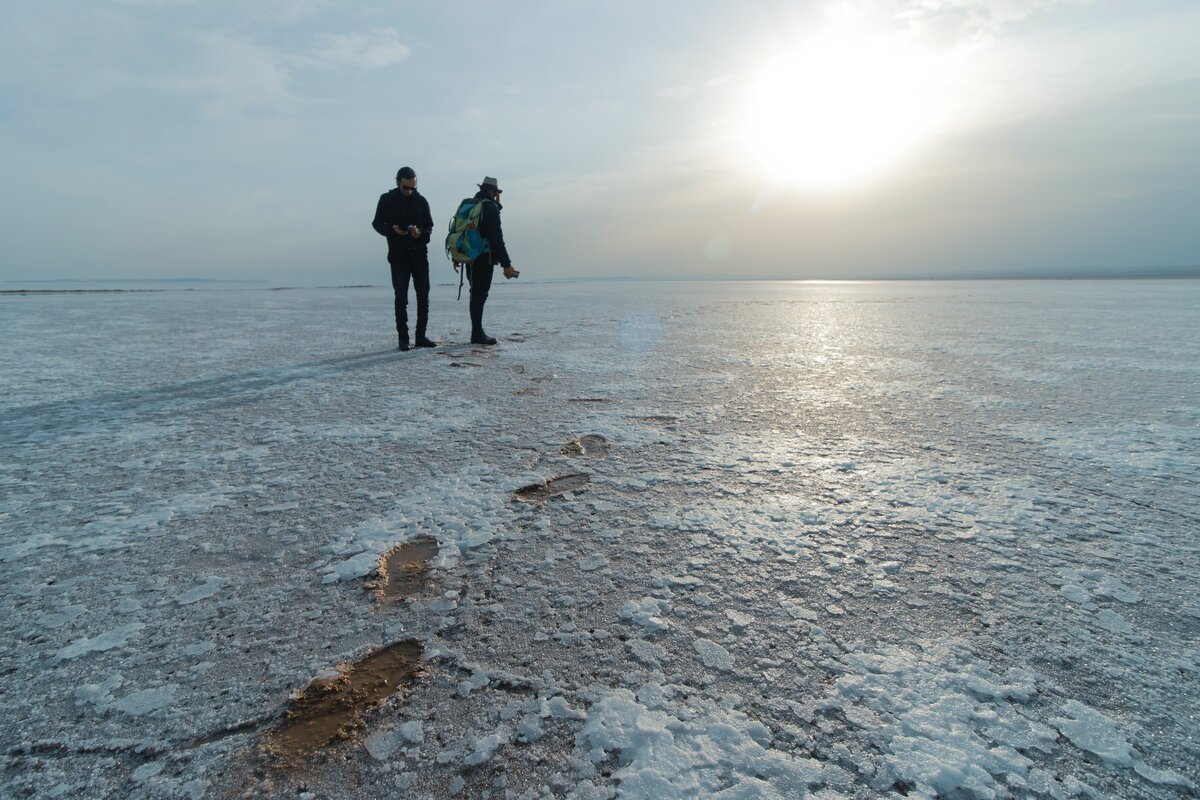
point(481, 215)
point(403, 216)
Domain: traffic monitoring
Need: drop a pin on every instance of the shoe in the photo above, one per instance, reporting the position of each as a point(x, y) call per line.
point(424, 341)
point(404, 347)
point(482, 338)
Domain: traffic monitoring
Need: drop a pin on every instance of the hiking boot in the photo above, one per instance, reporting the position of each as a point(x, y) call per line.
point(425, 341)
point(482, 338)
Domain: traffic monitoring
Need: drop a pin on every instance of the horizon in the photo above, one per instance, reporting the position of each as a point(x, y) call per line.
point(872, 140)
point(1184, 273)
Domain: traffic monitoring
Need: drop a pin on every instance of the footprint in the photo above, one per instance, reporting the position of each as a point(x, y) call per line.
point(591, 444)
point(403, 569)
point(330, 709)
point(537, 492)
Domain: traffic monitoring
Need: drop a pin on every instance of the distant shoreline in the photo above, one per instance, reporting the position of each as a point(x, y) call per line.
point(183, 289)
point(88, 291)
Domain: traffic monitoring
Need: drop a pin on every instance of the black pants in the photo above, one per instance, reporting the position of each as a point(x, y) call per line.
point(481, 283)
point(414, 264)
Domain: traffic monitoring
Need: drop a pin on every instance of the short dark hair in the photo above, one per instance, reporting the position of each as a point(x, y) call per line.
point(406, 173)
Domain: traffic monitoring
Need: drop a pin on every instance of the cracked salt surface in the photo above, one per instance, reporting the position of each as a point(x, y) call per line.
point(873, 540)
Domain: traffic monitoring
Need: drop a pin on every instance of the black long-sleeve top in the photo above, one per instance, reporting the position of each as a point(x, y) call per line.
point(489, 229)
point(397, 208)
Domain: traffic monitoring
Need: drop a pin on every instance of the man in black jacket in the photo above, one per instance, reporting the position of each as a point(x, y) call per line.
point(481, 269)
point(403, 217)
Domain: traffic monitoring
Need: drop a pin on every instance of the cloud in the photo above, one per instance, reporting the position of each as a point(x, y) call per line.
point(969, 22)
point(366, 50)
point(677, 92)
point(294, 10)
point(945, 24)
point(153, 3)
point(234, 76)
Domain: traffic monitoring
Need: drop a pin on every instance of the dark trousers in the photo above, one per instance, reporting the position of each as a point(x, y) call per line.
point(414, 264)
point(480, 275)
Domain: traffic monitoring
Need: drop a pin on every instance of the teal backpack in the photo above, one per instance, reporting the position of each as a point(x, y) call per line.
point(464, 243)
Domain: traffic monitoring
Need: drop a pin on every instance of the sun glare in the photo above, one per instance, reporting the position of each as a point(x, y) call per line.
point(840, 110)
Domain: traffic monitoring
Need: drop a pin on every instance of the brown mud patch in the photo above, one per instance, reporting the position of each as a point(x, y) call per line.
point(591, 444)
point(403, 569)
point(536, 492)
point(331, 709)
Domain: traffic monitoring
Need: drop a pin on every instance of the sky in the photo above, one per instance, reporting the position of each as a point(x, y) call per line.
point(144, 139)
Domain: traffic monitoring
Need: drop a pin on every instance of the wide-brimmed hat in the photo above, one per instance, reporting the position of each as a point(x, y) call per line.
point(490, 183)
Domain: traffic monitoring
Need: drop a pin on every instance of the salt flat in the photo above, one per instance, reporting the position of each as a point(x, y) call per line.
point(850, 540)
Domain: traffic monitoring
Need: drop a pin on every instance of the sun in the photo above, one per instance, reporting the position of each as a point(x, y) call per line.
point(841, 109)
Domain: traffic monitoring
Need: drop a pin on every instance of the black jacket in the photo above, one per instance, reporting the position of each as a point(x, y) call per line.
point(398, 208)
point(489, 228)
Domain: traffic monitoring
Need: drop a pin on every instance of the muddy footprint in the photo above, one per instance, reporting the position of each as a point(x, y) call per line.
point(403, 569)
point(537, 492)
point(592, 444)
point(331, 709)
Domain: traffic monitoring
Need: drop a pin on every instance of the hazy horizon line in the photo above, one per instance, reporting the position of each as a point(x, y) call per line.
point(268, 285)
point(1188, 271)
